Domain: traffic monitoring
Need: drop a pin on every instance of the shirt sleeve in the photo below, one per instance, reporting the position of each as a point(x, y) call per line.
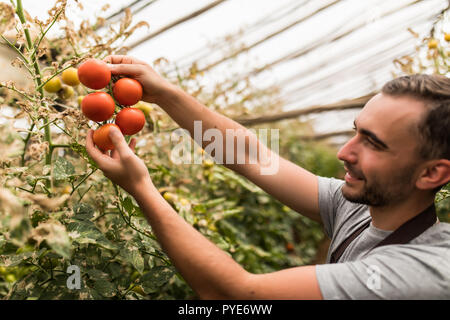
point(330, 199)
point(392, 272)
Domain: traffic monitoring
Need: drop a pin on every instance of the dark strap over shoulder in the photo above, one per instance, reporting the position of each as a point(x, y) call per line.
point(403, 234)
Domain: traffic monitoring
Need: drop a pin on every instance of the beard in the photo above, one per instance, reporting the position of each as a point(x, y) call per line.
point(378, 192)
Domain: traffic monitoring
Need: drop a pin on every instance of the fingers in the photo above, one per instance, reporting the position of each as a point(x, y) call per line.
point(119, 142)
point(131, 145)
point(125, 69)
point(97, 155)
point(122, 59)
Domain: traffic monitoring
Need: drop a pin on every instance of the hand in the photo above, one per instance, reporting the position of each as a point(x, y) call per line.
point(152, 83)
point(122, 167)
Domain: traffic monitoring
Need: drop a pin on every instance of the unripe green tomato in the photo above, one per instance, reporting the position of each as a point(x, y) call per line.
point(10, 278)
point(2, 270)
point(79, 99)
point(53, 85)
point(67, 92)
point(208, 163)
point(144, 106)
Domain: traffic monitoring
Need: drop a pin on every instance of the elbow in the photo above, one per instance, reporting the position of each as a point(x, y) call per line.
point(241, 288)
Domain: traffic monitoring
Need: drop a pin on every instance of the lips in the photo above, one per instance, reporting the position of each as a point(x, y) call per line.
point(352, 176)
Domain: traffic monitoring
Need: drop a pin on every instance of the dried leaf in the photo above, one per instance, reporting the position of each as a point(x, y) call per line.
point(46, 203)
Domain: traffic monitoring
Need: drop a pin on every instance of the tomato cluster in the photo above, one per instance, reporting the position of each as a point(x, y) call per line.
point(100, 106)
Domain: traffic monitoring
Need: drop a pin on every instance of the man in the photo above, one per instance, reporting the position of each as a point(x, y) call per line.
point(395, 163)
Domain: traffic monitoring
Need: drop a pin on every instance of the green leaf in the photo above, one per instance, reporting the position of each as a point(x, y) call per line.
point(55, 235)
point(214, 202)
point(134, 257)
point(105, 288)
point(200, 208)
point(84, 231)
point(229, 175)
point(62, 169)
point(21, 231)
point(97, 274)
point(83, 211)
point(81, 150)
point(127, 203)
point(155, 278)
point(12, 260)
point(130, 207)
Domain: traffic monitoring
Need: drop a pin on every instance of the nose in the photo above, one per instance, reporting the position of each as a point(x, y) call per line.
point(348, 152)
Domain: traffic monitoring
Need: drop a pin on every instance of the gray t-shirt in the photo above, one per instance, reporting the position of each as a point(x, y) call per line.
point(419, 269)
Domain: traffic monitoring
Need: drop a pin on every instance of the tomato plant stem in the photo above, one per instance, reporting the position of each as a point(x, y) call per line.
point(82, 180)
point(22, 160)
point(37, 78)
point(33, 55)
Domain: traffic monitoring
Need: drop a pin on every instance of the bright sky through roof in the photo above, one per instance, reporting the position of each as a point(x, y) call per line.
point(354, 66)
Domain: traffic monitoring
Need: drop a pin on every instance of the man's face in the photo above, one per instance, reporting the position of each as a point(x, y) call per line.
point(381, 160)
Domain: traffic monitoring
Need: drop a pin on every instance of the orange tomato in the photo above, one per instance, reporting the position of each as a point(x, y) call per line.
point(432, 44)
point(70, 77)
point(130, 120)
point(94, 74)
point(53, 85)
point(101, 137)
point(127, 91)
point(98, 106)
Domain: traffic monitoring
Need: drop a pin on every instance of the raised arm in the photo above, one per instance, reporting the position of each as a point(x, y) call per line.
point(290, 184)
point(210, 272)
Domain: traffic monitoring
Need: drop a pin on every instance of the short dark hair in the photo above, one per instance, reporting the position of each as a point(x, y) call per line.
point(434, 127)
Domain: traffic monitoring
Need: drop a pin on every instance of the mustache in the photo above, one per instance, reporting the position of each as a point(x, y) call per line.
point(353, 171)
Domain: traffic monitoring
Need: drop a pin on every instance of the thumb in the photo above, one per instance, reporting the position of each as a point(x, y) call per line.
point(118, 141)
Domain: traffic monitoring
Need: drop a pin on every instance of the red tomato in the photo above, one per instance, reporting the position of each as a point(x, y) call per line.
point(127, 91)
point(98, 106)
point(101, 137)
point(94, 74)
point(130, 120)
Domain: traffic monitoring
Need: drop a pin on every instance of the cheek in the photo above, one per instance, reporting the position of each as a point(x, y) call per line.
point(373, 166)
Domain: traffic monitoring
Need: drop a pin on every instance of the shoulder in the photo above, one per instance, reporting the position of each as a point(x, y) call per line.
point(431, 249)
point(419, 270)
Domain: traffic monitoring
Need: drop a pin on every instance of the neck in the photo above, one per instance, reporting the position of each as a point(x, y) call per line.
point(393, 216)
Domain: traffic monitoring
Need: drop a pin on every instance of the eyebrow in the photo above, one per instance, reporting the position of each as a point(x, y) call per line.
point(373, 136)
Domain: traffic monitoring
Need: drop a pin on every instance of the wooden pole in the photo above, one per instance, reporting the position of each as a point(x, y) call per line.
point(357, 103)
point(175, 23)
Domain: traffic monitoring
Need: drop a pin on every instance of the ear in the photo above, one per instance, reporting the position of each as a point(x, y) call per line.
point(436, 173)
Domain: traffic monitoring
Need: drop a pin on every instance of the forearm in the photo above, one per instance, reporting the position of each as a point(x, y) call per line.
point(185, 109)
point(207, 269)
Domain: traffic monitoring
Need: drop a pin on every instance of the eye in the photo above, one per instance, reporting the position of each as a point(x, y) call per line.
point(371, 143)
